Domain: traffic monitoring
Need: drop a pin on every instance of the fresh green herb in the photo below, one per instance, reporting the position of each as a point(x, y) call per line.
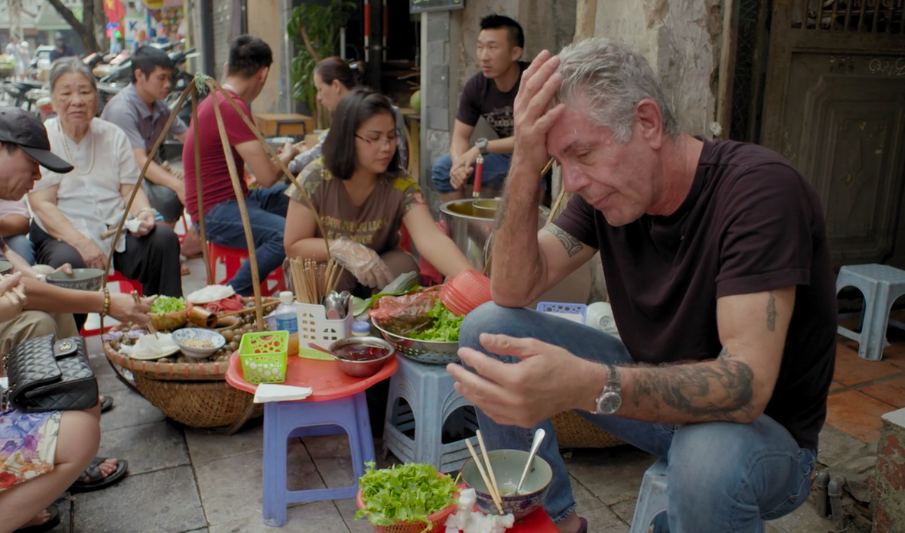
point(404, 493)
point(444, 328)
point(167, 304)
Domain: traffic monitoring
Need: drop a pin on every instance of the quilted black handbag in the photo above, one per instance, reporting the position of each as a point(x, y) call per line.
point(51, 376)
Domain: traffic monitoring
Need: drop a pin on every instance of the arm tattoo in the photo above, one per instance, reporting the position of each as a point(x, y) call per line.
point(570, 243)
point(771, 313)
point(720, 390)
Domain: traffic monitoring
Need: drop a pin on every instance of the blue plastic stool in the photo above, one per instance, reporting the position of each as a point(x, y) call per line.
point(653, 500)
point(428, 389)
point(284, 420)
point(881, 285)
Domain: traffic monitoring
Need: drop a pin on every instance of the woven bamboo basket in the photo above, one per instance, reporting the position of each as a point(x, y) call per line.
point(196, 394)
point(573, 431)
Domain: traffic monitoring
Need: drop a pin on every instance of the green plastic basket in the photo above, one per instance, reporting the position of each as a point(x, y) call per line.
point(263, 356)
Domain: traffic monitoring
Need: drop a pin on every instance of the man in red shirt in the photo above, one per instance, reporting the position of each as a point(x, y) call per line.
point(247, 69)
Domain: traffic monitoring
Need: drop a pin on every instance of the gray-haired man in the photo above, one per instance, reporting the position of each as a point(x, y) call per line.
point(718, 270)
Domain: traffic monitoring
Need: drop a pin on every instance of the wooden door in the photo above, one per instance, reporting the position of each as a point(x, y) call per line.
point(834, 105)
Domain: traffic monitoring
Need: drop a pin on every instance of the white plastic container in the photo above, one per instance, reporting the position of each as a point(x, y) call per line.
point(313, 325)
point(285, 314)
point(600, 316)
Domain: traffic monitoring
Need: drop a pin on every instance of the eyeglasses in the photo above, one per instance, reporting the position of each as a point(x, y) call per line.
point(383, 140)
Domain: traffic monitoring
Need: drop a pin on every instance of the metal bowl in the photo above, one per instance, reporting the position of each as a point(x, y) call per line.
point(81, 279)
point(365, 368)
point(486, 207)
point(428, 352)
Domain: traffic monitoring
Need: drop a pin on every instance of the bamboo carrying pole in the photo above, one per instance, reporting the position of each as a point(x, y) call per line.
point(192, 90)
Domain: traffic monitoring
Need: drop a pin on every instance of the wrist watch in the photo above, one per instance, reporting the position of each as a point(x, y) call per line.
point(481, 145)
point(610, 399)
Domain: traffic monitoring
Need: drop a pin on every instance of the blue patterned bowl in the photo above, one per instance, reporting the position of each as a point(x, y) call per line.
point(81, 279)
point(507, 468)
point(212, 339)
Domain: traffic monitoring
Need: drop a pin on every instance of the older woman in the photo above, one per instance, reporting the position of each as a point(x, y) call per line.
point(363, 198)
point(73, 213)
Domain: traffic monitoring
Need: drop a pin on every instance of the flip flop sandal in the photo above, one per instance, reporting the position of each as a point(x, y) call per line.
point(184, 269)
point(48, 524)
point(97, 480)
point(584, 525)
point(107, 404)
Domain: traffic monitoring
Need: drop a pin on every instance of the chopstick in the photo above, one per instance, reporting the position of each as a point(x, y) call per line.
point(493, 494)
point(496, 489)
point(151, 327)
point(312, 281)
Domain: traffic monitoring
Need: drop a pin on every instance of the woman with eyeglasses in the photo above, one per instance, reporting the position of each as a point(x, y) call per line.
point(363, 198)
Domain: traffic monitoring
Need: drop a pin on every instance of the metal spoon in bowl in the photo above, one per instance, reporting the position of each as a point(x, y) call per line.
point(535, 445)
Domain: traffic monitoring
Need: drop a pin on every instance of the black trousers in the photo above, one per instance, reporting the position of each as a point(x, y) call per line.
point(152, 260)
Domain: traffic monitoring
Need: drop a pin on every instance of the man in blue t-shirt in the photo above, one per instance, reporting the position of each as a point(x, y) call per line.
point(489, 94)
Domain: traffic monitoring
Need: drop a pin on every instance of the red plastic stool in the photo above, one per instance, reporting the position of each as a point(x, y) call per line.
point(126, 286)
point(232, 259)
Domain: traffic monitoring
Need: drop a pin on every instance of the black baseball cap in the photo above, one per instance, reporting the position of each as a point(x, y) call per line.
point(26, 131)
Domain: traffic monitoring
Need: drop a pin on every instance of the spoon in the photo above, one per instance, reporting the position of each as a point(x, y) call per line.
point(538, 439)
point(318, 348)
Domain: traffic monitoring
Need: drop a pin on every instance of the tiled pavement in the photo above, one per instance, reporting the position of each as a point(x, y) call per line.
point(186, 480)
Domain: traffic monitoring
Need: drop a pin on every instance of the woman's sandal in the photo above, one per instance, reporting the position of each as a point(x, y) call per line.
point(51, 522)
point(96, 479)
point(106, 404)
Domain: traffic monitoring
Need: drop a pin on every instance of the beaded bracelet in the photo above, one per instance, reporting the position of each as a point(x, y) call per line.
point(106, 302)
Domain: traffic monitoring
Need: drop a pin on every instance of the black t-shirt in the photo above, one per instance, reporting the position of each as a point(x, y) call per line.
point(751, 223)
point(482, 98)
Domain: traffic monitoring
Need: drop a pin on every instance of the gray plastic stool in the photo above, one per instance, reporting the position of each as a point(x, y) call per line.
point(431, 398)
point(652, 499)
point(881, 285)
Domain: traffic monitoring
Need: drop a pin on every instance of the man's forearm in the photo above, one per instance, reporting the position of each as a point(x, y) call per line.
point(58, 226)
point(517, 263)
point(719, 390)
point(158, 175)
point(458, 147)
point(501, 146)
point(12, 225)
point(45, 297)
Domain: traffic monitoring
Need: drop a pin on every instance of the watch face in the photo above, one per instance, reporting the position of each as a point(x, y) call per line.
point(609, 403)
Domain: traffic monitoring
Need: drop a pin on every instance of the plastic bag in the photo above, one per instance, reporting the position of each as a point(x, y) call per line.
point(405, 314)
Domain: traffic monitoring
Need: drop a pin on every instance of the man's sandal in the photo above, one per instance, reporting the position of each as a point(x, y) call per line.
point(584, 525)
point(96, 479)
point(52, 522)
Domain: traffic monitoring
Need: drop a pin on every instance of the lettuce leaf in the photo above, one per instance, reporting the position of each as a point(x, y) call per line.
point(167, 304)
point(444, 328)
point(404, 493)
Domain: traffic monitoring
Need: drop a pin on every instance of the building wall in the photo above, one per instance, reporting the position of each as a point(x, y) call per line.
point(263, 17)
point(681, 40)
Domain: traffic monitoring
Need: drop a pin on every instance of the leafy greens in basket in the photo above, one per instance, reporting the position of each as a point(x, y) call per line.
point(404, 493)
point(444, 328)
point(167, 304)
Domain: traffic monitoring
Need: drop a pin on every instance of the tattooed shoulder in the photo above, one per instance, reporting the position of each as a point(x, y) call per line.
point(570, 243)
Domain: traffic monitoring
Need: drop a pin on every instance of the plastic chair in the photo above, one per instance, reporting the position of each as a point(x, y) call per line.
point(285, 420)
point(125, 285)
point(232, 259)
point(653, 500)
point(428, 389)
point(881, 285)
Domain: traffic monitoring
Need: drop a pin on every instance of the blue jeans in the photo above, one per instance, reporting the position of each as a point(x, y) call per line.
point(22, 246)
point(722, 477)
point(496, 167)
point(267, 214)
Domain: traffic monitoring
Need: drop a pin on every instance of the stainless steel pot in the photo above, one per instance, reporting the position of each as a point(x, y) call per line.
point(471, 229)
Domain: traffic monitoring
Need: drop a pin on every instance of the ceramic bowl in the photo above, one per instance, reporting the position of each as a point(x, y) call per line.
point(81, 279)
point(366, 366)
point(507, 468)
point(181, 336)
point(5, 267)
